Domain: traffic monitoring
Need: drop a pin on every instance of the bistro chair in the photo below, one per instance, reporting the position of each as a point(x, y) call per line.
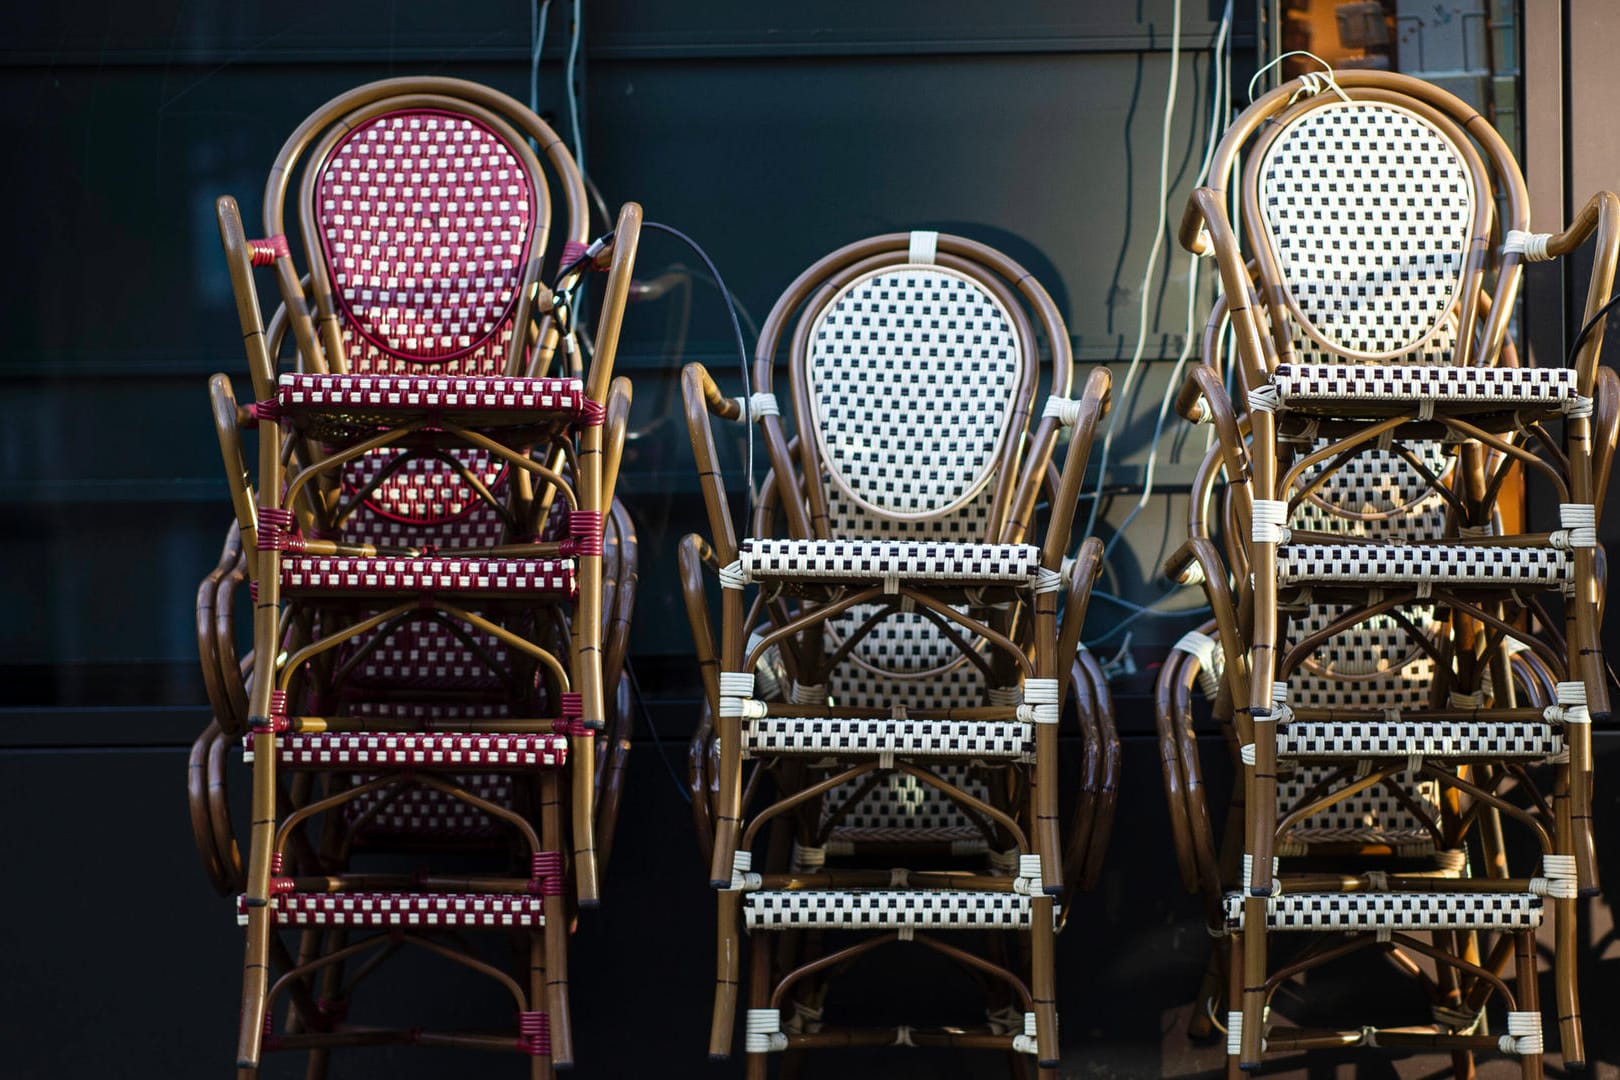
point(1376, 587)
point(409, 469)
point(893, 689)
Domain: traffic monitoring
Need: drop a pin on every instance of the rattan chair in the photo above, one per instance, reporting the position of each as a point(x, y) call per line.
point(1380, 592)
point(898, 679)
point(408, 470)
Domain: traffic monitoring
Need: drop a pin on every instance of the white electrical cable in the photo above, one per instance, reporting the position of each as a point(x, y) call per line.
point(573, 93)
point(1216, 125)
point(1123, 395)
point(537, 38)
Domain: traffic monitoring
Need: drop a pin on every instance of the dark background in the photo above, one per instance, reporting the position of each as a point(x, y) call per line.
point(772, 133)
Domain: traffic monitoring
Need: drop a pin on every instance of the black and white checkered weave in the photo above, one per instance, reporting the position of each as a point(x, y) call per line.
point(911, 374)
point(875, 560)
point(774, 735)
point(1481, 388)
point(1430, 738)
point(902, 809)
point(885, 909)
point(1449, 565)
point(1368, 208)
point(1395, 911)
point(1370, 816)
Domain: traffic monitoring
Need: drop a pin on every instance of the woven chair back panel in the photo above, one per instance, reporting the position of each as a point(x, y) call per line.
point(902, 808)
point(420, 500)
point(427, 813)
point(1371, 816)
point(1368, 208)
point(902, 644)
point(424, 653)
point(424, 218)
point(1373, 665)
point(912, 374)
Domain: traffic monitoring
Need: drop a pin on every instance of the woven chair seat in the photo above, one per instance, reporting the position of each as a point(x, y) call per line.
point(330, 574)
point(885, 909)
point(877, 560)
point(843, 737)
point(453, 751)
point(1431, 739)
point(1395, 387)
point(409, 910)
point(1451, 566)
point(307, 398)
point(1394, 911)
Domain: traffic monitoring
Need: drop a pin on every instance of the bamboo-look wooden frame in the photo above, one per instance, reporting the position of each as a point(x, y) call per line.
point(312, 1028)
point(320, 349)
point(795, 489)
point(1206, 228)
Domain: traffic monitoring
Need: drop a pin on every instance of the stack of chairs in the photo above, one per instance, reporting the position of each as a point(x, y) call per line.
point(878, 761)
point(1407, 669)
point(425, 542)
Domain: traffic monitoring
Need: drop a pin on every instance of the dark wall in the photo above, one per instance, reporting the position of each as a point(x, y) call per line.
point(771, 133)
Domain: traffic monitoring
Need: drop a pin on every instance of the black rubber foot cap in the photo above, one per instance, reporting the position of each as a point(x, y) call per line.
point(719, 883)
point(591, 905)
point(719, 1057)
point(1054, 1063)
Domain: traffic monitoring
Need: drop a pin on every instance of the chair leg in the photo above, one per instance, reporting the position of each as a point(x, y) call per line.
point(759, 997)
point(552, 957)
point(1234, 997)
point(1529, 994)
point(540, 1065)
point(1043, 982)
point(1566, 989)
point(725, 976)
point(255, 984)
point(1251, 1048)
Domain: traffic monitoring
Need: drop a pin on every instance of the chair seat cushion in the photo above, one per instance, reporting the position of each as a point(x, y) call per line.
point(879, 909)
point(1394, 911)
point(877, 560)
point(1431, 739)
point(395, 397)
point(407, 910)
point(451, 751)
point(1394, 387)
point(1448, 565)
point(906, 738)
point(334, 574)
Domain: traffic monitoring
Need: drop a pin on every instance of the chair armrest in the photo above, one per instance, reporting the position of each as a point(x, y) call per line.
point(702, 398)
point(1090, 407)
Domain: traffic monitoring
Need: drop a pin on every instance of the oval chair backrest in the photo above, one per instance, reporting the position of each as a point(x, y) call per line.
point(424, 219)
point(1368, 209)
point(913, 373)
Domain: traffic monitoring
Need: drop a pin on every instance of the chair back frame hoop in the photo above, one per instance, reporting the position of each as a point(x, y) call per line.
point(816, 318)
point(1275, 284)
point(810, 293)
point(315, 248)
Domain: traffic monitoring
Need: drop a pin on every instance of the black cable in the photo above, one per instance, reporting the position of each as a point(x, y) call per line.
point(646, 718)
point(1591, 324)
point(742, 346)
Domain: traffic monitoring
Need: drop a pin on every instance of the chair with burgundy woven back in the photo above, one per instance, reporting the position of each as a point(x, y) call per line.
point(1378, 592)
point(898, 680)
point(403, 492)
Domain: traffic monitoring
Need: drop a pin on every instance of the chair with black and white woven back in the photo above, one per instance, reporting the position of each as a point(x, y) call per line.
point(1370, 346)
point(900, 674)
point(408, 471)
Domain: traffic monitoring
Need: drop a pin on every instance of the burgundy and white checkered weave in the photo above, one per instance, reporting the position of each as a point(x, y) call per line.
point(424, 219)
point(321, 573)
point(386, 910)
point(420, 750)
